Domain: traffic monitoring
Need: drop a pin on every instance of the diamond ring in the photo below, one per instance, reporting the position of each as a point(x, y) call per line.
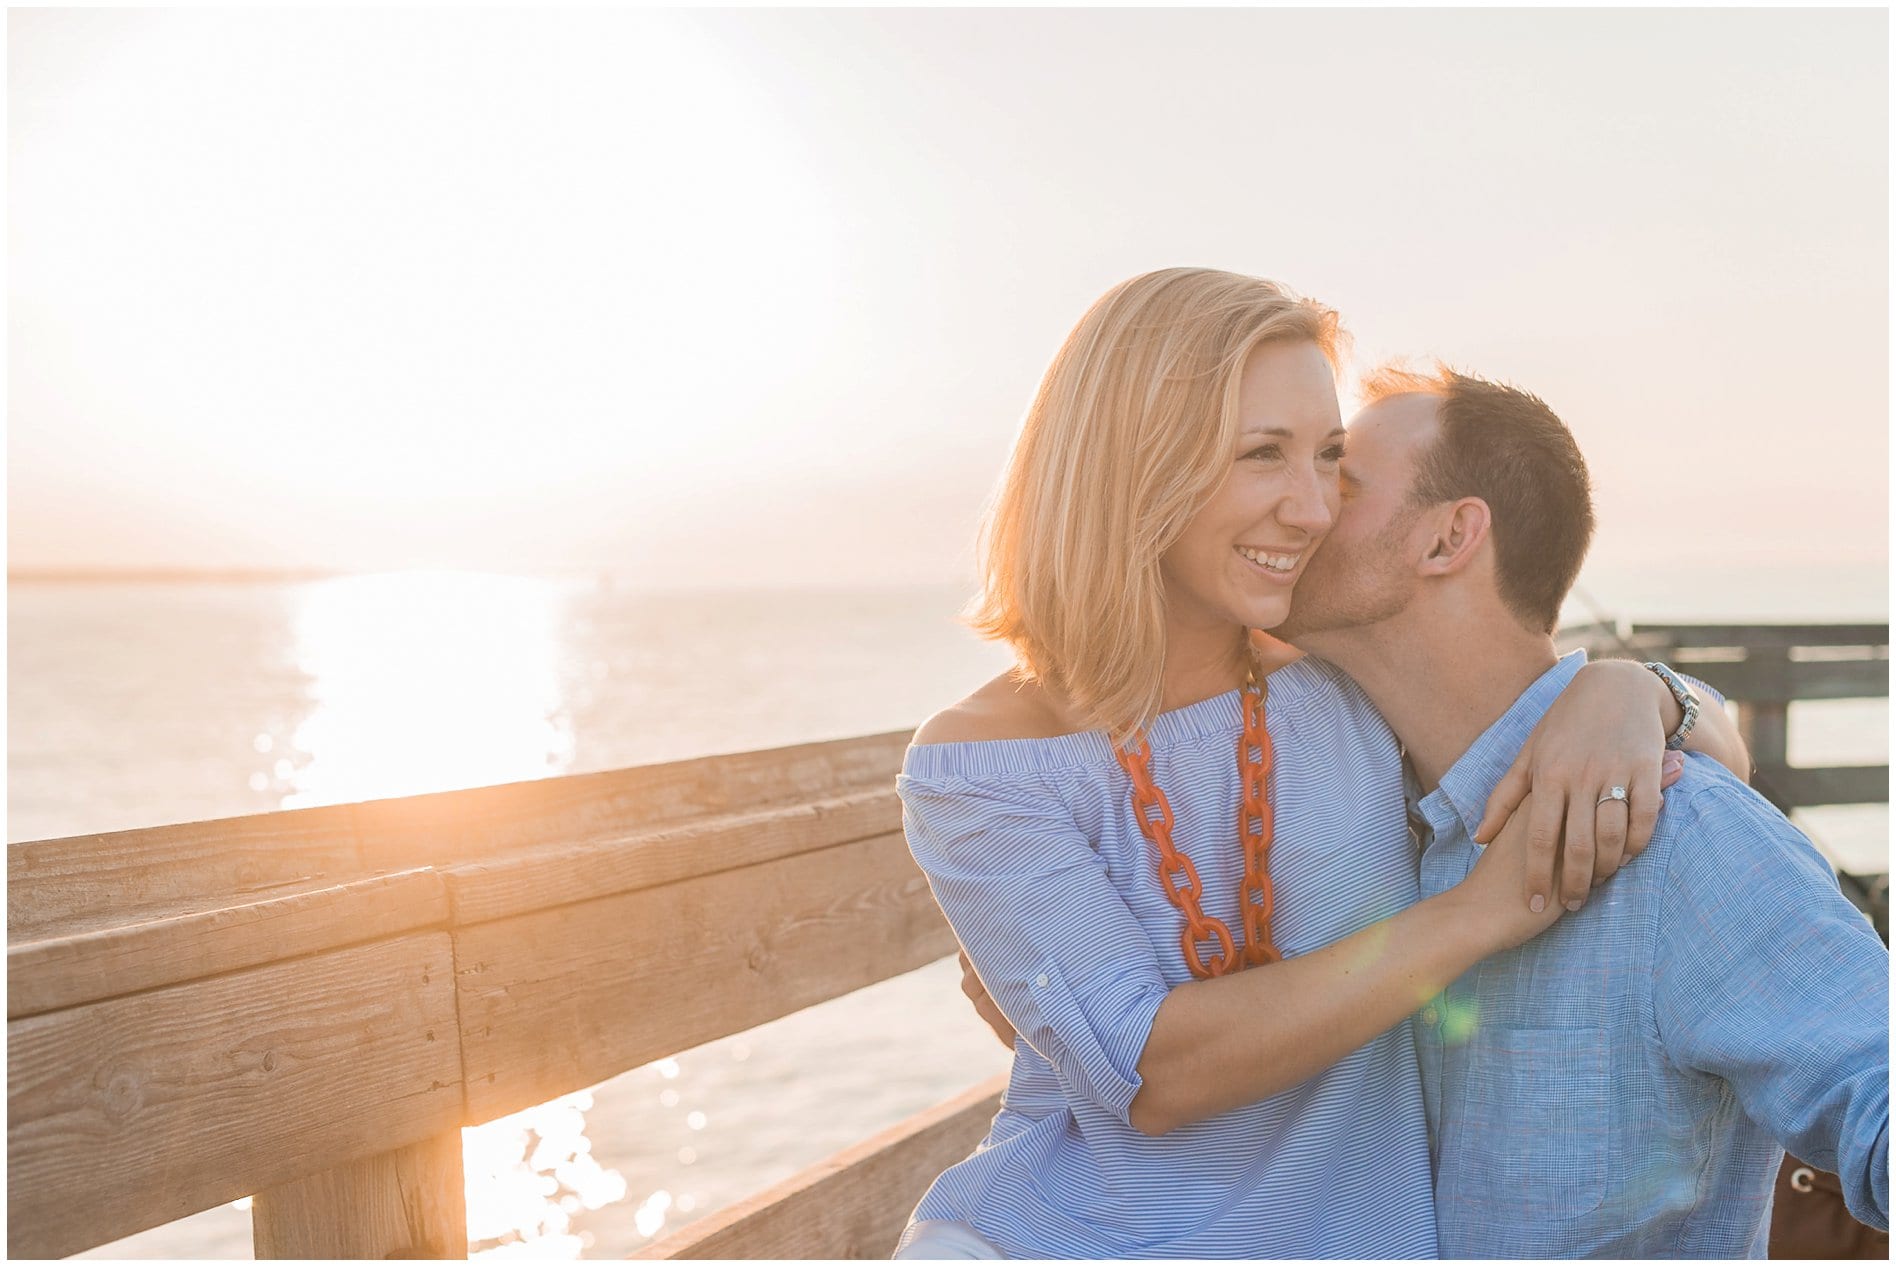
point(1614, 793)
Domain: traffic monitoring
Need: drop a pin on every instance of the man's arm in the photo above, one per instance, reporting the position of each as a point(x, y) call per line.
point(1767, 977)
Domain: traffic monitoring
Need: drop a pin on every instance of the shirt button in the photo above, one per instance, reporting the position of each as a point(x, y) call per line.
point(1430, 1016)
point(1041, 980)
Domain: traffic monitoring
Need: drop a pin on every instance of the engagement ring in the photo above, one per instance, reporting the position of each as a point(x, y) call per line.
point(1612, 794)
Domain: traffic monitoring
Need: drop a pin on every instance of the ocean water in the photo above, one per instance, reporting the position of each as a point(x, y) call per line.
point(138, 704)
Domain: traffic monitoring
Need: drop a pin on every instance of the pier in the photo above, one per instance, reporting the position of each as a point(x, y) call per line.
point(308, 1006)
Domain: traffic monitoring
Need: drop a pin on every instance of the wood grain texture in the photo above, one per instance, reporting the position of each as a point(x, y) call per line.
point(82, 883)
point(563, 874)
point(407, 1203)
point(129, 1113)
point(63, 972)
point(855, 1204)
point(454, 827)
point(567, 997)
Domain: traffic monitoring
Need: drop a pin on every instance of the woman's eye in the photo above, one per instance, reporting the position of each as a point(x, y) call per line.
point(1333, 454)
point(1267, 452)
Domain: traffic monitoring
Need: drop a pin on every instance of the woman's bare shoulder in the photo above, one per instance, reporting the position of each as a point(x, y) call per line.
point(1004, 708)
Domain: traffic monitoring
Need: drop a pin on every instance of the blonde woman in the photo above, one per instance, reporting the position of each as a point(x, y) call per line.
point(1157, 797)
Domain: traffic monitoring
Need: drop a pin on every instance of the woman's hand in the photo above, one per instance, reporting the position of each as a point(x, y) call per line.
point(1491, 894)
point(1606, 730)
point(984, 1004)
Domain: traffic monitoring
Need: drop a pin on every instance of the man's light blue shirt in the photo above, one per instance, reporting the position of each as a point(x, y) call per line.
point(1620, 1086)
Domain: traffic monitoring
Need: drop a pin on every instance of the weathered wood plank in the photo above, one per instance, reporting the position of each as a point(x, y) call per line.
point(562, 874)
point(43, 976)
point(855, 1204)
point(564, 998)
point(81, 883)
point(451, 827)
point(1720, 635)
point(128, 1113)
point(1602, 642)
point(407, 1203)
point(1791, 787)
point(1776, 678)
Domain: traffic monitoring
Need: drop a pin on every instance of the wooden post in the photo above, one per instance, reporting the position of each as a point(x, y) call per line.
point(1764, 721)
point(408, 1203)
point(1765, 726)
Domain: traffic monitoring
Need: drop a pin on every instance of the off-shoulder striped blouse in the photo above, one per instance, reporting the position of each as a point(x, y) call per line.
point(1033, 852)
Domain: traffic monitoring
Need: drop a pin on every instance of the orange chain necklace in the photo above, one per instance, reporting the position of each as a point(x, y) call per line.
point(1179, 878)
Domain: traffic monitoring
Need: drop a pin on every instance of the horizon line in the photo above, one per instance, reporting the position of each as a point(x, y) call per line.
point(233, 575)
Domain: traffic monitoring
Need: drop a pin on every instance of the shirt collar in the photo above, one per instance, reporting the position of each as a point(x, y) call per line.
point(1465, 789)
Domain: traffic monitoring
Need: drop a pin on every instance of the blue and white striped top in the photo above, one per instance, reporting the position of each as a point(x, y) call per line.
point(1034, 855)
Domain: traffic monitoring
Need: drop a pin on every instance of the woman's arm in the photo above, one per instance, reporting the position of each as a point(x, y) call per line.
point(1219, 1044)
point(1215, 1045)
point(1716, 734)
point(1607, 729)
point(1059, 952)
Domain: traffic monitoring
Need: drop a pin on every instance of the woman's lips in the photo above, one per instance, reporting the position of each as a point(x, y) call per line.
point(1281, 575)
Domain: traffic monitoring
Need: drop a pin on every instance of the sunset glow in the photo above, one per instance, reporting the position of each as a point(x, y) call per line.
point(391, 659)
point(409, 401)
point(730, 298)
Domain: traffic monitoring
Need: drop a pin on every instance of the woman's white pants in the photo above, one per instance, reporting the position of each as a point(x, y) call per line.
point(946, 1238)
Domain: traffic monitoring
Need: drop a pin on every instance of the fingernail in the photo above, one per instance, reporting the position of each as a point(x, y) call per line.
point(1537, 904)
point(1574, 905)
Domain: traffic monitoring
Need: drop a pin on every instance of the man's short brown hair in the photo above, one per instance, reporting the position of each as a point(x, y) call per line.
point(1508, 448)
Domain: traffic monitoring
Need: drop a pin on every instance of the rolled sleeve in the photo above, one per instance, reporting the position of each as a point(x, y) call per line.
point(1703, 689)
point(1767, 977)
point(1051, 937)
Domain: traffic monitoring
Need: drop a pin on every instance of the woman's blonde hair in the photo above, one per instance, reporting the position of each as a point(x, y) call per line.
point(1132, 430)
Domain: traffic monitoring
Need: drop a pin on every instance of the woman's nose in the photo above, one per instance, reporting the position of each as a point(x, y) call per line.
point(1306, 507)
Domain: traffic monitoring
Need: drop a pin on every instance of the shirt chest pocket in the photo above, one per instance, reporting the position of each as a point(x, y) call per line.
point(1535, 1122)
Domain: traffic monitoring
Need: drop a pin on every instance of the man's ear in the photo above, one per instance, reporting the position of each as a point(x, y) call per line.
point(1459, 535)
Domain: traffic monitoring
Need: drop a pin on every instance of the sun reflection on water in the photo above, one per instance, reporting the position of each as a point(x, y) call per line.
point(528, 1175)
point(423, 682)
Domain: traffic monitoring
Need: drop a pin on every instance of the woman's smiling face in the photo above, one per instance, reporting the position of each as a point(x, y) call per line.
point(1239, 558)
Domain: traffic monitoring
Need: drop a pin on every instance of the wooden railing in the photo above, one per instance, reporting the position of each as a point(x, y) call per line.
point(309, 1005)
point(1763, 670)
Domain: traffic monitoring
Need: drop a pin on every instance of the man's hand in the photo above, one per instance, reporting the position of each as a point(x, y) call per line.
point(977, 993)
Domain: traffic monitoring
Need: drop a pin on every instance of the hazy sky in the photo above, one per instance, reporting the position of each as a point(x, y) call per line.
point(760, 296)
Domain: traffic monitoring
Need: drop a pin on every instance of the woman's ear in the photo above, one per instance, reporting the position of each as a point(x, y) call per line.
point(1458, 538)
